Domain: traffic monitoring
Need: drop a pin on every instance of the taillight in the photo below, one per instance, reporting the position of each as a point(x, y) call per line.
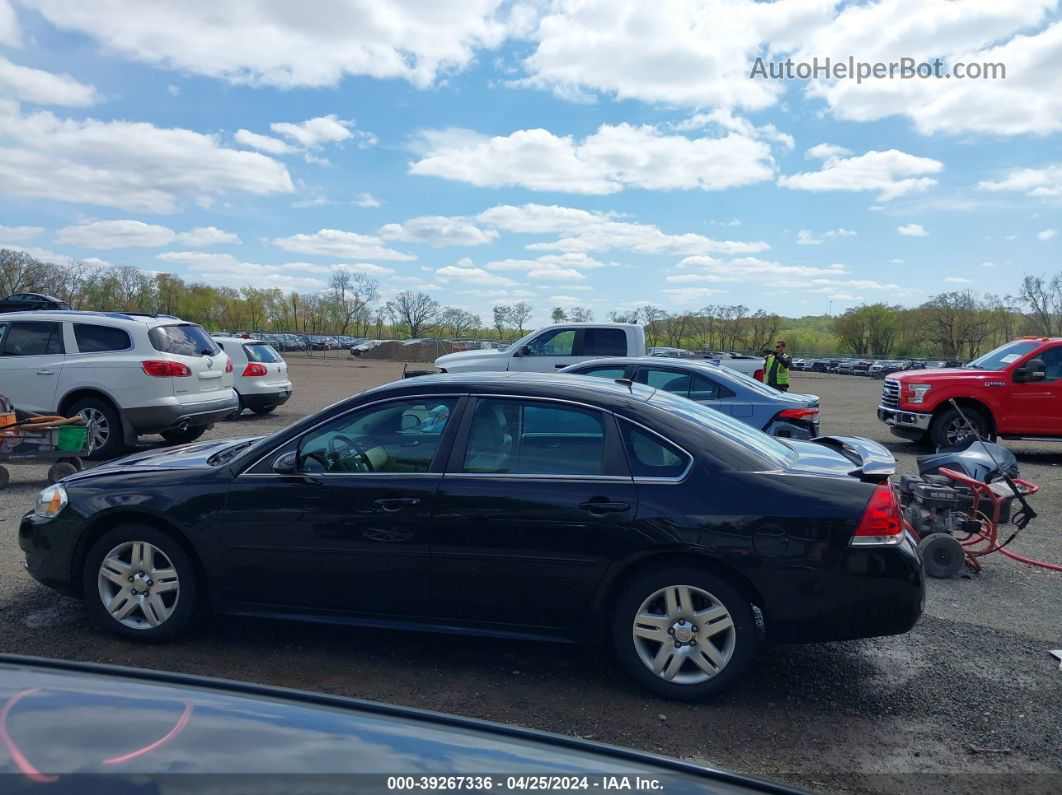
point(882, 523)
point(228, 365)
point(758, 375)
point(254, 369)
point(800, 414)
point(165, 369)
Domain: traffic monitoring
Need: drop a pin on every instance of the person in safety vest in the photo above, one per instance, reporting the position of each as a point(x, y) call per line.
point(776, 368)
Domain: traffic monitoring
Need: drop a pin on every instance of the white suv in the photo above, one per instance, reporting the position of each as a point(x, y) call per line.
point(131, 374)
point(262, 381)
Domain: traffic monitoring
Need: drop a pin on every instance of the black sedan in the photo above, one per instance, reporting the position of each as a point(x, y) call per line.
point(541, 506)
point(27, 302)
point(83, 728)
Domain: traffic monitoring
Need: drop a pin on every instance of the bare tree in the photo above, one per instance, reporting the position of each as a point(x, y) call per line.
point(416, 310)
point(519, 314)
point(351, 295)
point(580, 314)
point(1044, 298)
point(502, 315)
point(458, 322)
point(633, 316)
point(558, 315)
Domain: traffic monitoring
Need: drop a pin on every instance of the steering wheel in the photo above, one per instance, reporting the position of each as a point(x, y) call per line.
point(349, 446)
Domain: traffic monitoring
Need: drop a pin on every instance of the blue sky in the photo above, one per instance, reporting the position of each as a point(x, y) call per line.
point(594, 153)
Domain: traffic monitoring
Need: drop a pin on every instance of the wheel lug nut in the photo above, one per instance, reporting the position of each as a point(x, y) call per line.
point(130, 579)
point(677, 644)
point(694, 627)
point(670, 631)
point(693, 643)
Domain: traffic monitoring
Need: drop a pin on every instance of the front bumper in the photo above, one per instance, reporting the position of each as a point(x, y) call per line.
point(901, 418)
point(153, 419)
point(49, 547)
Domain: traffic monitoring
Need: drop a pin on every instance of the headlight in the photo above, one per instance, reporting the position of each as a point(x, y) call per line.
point(918, 392)
point(50, 502)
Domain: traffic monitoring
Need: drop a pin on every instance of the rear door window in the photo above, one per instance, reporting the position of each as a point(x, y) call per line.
point(183, 339)
point(604, 372)
point(667, 380)
point(603, 342)
point(96, 339)
point(30, 338)
point(262, 352)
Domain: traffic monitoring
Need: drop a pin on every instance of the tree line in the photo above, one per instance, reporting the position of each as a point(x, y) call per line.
point(958, 324)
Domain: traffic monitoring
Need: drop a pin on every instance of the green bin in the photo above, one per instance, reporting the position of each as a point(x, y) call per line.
point(72, 438)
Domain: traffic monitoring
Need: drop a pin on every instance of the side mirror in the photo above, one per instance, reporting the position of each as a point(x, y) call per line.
point(1032, 370)
point(286, 464)
point(525, 350)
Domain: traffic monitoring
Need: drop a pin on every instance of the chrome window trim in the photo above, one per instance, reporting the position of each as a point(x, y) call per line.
point(672, 480)
point(518, 476)
point(351, 410)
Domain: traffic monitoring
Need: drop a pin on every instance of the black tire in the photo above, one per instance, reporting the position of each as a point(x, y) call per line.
point(60, 470)
point(185, 436)
point(948, 426)
point(168, 551)
point(264, 410)
point(239, 408)
point(739, 641)
point(5, 477)
point(109, 426)
point(942, 555)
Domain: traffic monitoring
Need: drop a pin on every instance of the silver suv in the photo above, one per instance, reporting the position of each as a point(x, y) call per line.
point(131, 374)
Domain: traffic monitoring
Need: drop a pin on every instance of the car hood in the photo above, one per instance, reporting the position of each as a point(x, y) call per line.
point(954, 374)
point(843, 455)
point(185, 456)
point(468, 360)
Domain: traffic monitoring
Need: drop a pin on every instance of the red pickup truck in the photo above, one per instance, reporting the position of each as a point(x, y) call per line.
point(1013, 392)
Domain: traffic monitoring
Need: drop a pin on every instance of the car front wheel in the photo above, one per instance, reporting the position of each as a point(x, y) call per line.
point(185, 436)
point(950, 427)
point(139, 583)
point(684, 632)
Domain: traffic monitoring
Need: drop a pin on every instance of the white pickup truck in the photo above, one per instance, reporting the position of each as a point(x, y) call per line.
point(553, 347)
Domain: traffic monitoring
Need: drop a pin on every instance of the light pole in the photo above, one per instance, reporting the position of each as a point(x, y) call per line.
point(830, 313)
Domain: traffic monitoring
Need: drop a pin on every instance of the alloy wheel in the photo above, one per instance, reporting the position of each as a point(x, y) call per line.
point(957, 430)
point(98, 425)
point(138, 585)
point(684, 634)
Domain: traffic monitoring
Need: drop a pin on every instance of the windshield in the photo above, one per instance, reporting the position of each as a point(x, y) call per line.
point(1004, 355)
point(262, 352)
point(183, 339)
point(775, 452)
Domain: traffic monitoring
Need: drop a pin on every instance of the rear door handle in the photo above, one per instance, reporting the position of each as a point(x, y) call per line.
point(46, 372)
point(396, 503)
point(605, 507)
point(559, 366)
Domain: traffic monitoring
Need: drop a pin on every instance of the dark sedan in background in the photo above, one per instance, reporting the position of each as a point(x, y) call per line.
point(512, 504)
point(785, 414)
point(84, 728)
point(29, 302)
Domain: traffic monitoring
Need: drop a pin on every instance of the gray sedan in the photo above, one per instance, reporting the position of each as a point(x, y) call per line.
point(777, 413)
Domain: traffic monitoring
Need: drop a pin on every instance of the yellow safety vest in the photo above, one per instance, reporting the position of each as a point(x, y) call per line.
point(781, 377)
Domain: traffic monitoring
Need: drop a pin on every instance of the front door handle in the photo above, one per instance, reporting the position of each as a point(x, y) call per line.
point(604, 506)
point(396, 503)
point(46, 372)
point(559, 366)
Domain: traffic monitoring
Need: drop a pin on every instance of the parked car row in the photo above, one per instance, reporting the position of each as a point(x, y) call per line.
point(873, 368)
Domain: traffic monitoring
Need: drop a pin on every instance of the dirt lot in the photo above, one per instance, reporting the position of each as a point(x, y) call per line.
point(969, 701)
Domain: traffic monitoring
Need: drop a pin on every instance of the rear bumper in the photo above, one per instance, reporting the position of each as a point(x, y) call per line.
point(153, 419)
point(256, 401)
point(880, 591)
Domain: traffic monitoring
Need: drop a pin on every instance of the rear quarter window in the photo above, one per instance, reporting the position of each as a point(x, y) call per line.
point(182, 339)
point(96, 339)
point(262, 352)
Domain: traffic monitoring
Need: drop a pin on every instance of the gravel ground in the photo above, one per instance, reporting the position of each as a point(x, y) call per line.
point(969, 701)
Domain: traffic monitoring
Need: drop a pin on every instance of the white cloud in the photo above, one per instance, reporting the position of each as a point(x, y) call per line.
point(826, 152)
point(912, 230)
point(956, 280)
point(1046, 181)
point(340, 244)
point(754, 269)
point(614, 157)
point(275, 43)
point(314, 133)
point(203, 236)
point(583, 231)
point(988, 264)
point(227, 270)
point(438, 230)
point(552, 267)
point(43, 88)
point(173, 90)
point(892, 173)
point(694, 54)
point(116, 234)
point(896, 261)
point(689, 295)
point(19, 234)
point(1047, 234)
point(465, 273)
point(128, 233)
point(44, 255)
point(805, 237)
point(1029, 100)
point(9, 32)
point(366, 200)
point(131, 165)
point(265, 143)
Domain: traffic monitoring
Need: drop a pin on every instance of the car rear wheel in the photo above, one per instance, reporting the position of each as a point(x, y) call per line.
point(949, 427)
point(264, 410)
point(185, 436)
point(106, 434)
point(138, 583)
point(683, 632)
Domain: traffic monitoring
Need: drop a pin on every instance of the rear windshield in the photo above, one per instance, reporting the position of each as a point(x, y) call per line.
point(752, 440)
point(183, 339)
point(1004, 355)
point(262, 352)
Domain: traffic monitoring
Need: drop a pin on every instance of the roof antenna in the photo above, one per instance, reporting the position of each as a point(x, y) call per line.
point(627, 382)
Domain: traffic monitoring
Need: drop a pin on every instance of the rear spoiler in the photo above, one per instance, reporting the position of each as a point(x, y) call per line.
point(874, 463)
